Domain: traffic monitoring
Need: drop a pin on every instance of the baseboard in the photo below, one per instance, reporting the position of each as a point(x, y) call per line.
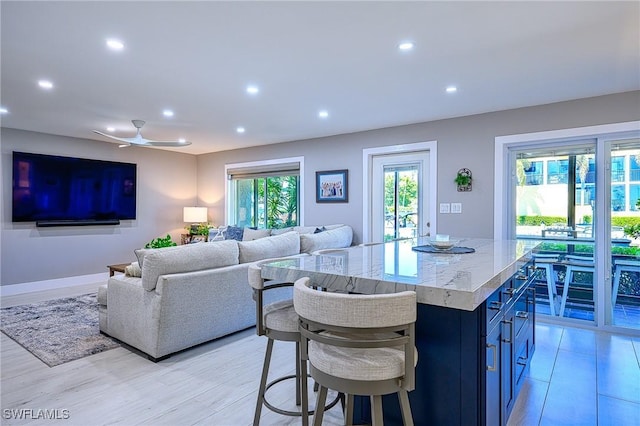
point(30, 287)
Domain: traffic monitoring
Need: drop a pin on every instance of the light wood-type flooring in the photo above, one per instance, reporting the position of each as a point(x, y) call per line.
point(578, 377)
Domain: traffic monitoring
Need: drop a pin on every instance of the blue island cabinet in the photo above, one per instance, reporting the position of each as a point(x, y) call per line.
point(471, 364)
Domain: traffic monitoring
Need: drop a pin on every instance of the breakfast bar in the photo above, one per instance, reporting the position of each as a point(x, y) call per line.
point(475, 325)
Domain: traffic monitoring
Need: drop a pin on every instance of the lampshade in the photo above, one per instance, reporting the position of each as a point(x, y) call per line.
point(195, 214)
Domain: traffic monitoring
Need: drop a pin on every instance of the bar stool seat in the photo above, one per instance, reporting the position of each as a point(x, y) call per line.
point(574, 264)
point(619, 267)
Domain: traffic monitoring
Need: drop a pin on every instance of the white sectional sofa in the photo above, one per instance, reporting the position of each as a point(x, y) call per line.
point(186, 295)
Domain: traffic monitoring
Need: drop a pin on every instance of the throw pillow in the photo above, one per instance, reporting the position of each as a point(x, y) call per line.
point(319, 230)
point(133, 270)
point(251, 234)
point(234, 233)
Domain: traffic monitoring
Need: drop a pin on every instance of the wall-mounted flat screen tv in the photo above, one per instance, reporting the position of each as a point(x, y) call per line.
point(49, 188)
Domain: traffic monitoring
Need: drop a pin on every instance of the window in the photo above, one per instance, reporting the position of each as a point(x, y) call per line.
point(634, 168)
point(557, 171)
point(533, 172)
point(264, 194)
point(617, 169)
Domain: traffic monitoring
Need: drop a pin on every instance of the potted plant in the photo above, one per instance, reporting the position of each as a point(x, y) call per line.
point(462, 179)
point(160, 242)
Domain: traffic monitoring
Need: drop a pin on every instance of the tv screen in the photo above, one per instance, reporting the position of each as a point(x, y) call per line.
point(53, 188)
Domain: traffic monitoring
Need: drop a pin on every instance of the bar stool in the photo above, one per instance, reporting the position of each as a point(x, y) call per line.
point(359, 345)
point(621, 266)
point(278, 321)
point(574, 264)
point(546, 262)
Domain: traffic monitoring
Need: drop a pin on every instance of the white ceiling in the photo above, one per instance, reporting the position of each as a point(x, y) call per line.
point(198, 57)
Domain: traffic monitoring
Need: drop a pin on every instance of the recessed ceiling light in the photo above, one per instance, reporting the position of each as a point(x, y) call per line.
point(240, 129)
point(111, 129)
point(3, 110)
point(405, 46)
point(252, 90)
point(45, 84)
point(114, 44)
point(167, 113)
point(323, 114)
point(182, 140)
point(451, 89)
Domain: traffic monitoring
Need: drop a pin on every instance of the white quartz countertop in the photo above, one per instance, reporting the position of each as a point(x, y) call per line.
point(459, 281)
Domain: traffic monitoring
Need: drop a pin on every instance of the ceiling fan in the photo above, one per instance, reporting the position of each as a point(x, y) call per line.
point(139, 140)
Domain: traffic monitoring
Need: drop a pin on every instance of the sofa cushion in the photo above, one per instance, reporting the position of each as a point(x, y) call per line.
point(278, 231)
point(187, 258)
point(331, 238)
point(275, 246)
point(250, 234)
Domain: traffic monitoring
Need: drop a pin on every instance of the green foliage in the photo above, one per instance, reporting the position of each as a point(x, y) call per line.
point(201, 229)
point(632, 230)
point(539, 220)
point(277, 199)
point(160, 242)
point(462, 180)
point(586, 249)
point(407, 193)
point(587, 219)
point(625, 220)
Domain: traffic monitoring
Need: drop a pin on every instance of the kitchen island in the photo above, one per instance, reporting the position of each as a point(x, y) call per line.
point(475, 326)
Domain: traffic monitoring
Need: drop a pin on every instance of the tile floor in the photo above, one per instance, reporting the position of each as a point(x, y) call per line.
point(581, 377)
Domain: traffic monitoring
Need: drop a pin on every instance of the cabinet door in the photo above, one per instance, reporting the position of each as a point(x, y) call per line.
point(508, 356)
point(493, 370)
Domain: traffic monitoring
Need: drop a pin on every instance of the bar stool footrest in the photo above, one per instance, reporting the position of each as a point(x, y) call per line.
point(287, 412)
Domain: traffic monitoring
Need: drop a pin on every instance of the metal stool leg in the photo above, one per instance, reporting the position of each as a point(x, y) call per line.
point(565, 291)
point(377, 418)
point(263, 382)
point(320, 402)
point(551, 288)
point(616, 286)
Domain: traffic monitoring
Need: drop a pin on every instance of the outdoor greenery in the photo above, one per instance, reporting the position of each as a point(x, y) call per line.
point(160, 242)
point(281, 201)
point(267, 202)
point(539, 220)
point(407, 194)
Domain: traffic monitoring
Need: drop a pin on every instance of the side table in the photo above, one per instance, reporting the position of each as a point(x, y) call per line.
point(119, 267)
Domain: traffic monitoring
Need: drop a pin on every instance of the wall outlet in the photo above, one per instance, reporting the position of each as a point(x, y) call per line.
point(444, 208)
point(456, 207)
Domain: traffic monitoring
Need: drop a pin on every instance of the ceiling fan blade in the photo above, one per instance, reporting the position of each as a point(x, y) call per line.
point(168, 143)
point(128, 141)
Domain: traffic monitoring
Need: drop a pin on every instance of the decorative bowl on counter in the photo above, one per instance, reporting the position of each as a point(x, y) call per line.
point(442, 244)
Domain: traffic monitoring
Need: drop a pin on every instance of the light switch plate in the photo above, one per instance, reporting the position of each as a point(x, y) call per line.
point(456, 207)
point(444, 208)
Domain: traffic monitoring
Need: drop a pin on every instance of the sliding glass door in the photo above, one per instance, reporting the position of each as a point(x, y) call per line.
point(585, 273)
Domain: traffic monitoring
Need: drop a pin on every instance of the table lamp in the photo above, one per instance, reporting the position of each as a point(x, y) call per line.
point(195, 216)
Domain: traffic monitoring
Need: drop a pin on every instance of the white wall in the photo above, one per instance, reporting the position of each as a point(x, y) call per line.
point(462, 142)
point(166, 183)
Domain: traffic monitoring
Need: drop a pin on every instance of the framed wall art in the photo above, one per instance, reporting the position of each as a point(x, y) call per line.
point(332, 186)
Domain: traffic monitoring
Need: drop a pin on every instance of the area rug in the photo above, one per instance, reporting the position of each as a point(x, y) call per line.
point(57, 331)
